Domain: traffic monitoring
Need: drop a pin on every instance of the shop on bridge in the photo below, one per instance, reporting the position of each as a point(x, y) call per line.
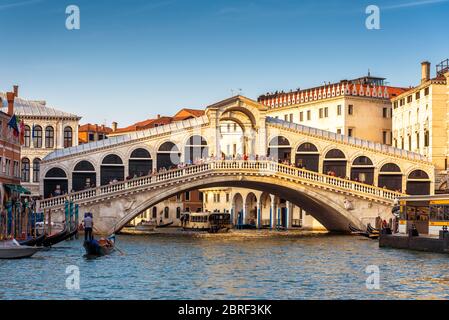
point(307, 157)
point(195, 148)
point(418, 183)
point(84, 176)
point(112, 169)
point(362, 170)
point(280, 149)
point(335, 163)
point(140, 163)
point(168, 155)
point(55, 183)
point(390, 177)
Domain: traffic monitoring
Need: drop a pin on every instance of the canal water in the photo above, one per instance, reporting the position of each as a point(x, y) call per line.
point(241, 265)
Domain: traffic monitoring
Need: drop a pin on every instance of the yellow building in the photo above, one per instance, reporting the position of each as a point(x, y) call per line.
point(420, 119)
point(358, 108)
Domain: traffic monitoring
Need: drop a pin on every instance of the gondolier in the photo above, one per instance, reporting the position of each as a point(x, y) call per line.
point(88, 223)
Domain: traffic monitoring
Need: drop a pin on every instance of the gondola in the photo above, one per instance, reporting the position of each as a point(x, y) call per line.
point(56, 238)
point(371, 229)
point(164, 225)
point(100, 247)
point(365, 234)
point(34, 242)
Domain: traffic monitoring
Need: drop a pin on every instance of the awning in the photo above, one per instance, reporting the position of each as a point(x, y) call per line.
point(17, 188)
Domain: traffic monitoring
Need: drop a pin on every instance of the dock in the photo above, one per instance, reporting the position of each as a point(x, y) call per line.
point(426, 243)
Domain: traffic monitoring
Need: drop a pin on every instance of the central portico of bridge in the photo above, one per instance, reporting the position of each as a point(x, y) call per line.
point(127, 174)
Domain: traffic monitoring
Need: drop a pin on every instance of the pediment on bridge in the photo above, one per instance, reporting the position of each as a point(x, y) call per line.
point(238, 108)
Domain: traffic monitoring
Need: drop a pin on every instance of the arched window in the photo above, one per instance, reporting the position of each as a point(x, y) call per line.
point(390, 177)
point(362, 161)
point(112, 169)
point(418, 175)
point(418, 183)
point(49, 137)
point(56, 173)
point(279, 148)
point(335, 154)
point(195, 148)
point(154, 213)
point(27, 136)
point(55, 183)
point(68, 137)
point(84, 176)
point(85, 166)
point(362, 170)
point(168, 155)
point(112, 159)
point(390, 167)
point(25, 170)
point(335, 163)
point(307, 157)
point(140, 163)
point(307, 147)
point(37, 137)
point(166, 213)
point(178, 213)
point(36, 169)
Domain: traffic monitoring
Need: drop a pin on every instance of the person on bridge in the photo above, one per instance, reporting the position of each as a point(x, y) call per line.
point(88, 223)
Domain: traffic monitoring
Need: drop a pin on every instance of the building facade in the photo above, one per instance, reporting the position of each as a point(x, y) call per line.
point(46, 130)
point(238, 200)
point(356, 108)
point(9, 150)
point(420, 120)
point(92, 132)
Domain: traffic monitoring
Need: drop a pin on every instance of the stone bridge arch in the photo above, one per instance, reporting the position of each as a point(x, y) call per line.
point(326, 206)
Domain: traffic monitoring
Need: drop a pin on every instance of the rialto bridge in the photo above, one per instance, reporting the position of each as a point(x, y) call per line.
point(337, 179)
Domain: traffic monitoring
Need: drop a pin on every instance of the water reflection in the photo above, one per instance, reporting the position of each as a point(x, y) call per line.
point(223, 267)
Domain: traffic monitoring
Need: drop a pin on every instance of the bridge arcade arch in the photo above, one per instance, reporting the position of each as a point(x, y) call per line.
point(84, 176)
point(168, 155)
point(335, 163)
point(307, 157)
point(140, 163)
point(111, 169)
point(56, 183)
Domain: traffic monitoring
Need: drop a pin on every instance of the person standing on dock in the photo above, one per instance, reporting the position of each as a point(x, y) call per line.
point(88, 226)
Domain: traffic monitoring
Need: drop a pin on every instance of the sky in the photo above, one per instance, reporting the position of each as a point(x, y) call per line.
point(133, 59)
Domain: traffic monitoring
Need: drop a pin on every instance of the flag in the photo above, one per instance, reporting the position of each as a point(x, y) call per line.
point(13, 125)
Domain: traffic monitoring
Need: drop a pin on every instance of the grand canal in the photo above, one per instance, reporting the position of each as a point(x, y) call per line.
point(306, 266)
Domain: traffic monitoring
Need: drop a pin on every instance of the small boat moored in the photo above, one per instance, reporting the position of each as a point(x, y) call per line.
point(34, 242)
point(13, 250)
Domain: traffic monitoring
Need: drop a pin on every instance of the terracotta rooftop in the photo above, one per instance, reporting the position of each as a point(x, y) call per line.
point(183, 114)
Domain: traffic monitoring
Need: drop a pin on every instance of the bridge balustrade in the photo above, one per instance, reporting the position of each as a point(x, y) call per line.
point(268, 168)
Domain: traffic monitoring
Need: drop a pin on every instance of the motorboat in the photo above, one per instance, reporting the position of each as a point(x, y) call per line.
point(11, 249)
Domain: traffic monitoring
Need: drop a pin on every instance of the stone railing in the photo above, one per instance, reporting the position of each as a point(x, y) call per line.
point(263, 168)
point(375, 146)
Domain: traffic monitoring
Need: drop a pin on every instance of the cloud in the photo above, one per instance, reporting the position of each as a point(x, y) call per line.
point(18, 4)
point(413, 4)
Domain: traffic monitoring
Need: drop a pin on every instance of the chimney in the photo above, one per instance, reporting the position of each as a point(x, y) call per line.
point(10, 96)
point(425, 71)
point(16, 91)
point(114, 126)
point(158, 116)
